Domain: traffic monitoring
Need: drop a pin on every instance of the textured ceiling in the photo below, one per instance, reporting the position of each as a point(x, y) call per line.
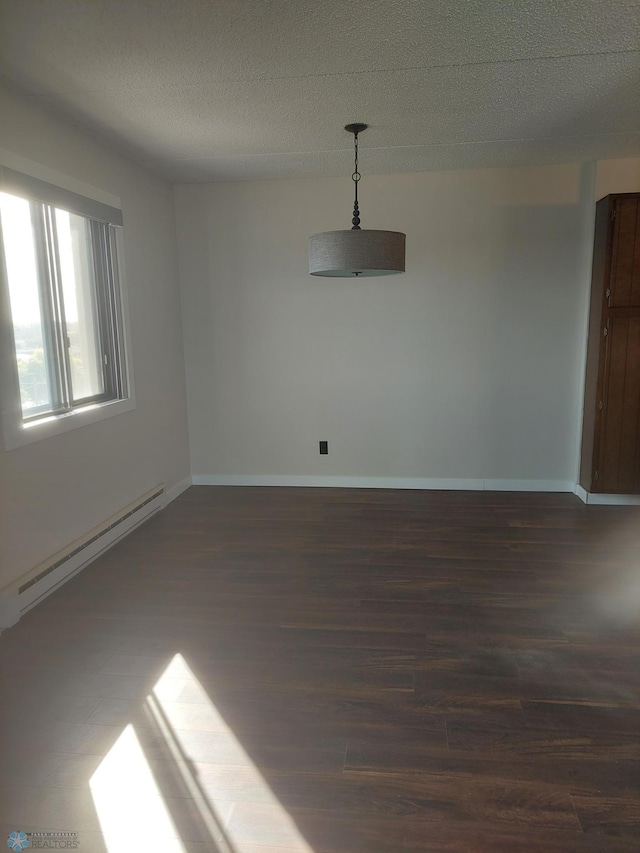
point(206, 90)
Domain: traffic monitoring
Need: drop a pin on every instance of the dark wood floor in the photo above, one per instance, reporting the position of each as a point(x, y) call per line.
point(337, 671)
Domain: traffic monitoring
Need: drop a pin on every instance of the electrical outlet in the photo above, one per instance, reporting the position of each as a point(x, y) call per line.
point(324, 448)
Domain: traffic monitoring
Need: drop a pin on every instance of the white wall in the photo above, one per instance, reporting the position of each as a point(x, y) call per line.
point(617, 176)
point(55, 490)
point(468, 366)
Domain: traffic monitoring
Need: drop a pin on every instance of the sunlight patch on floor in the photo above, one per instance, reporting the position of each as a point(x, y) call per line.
point(202, 759)
point(128, 801)
point(220, 773)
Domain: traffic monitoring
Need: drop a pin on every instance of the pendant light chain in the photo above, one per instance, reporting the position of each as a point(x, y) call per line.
point(355, 178)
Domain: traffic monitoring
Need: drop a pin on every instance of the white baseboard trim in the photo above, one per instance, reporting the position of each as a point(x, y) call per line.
point(528, 486)
point(581, 493)
point(175, 491)
point(9, 609)
point(427, 483)
point(20, 596)
point(334, 482)
point(594, 499)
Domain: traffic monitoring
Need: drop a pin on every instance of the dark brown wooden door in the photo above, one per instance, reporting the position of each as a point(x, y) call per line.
point(625, 257)
point(619, 464)
point(616, 451)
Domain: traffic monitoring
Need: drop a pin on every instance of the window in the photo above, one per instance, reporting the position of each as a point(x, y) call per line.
point(61, 271)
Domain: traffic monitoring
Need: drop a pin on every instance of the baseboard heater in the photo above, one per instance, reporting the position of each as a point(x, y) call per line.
point(24, 594)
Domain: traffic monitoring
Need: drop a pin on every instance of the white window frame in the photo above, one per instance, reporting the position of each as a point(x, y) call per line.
point(16, 432)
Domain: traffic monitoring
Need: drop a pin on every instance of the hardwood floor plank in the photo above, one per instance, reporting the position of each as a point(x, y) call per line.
point(544, 742)
point(575, 774)
point(475, 837)
point(615, 816)
point(574, 717)
point(433, 798)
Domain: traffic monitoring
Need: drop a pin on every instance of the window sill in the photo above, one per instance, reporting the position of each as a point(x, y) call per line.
point(18, 436)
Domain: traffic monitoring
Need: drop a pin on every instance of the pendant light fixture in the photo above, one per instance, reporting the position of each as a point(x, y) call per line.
point(356, 253)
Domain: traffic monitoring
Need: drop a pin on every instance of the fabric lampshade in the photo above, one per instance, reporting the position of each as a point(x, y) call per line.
point(357, 253)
